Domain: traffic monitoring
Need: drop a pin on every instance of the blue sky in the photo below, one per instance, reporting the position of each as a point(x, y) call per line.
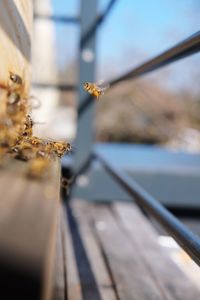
point(134, 31)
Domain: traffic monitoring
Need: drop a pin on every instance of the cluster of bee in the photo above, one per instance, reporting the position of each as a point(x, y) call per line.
point(16, 128)
point(16, 131)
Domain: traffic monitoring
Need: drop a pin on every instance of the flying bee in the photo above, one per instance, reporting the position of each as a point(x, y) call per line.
point(96, 89)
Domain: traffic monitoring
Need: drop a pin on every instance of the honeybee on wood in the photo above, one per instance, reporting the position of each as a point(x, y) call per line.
point(8, 138)
point(58, 148)
point(15, 89)
point(96, 89)
point(35, 141)
point(38, 167)
point(49, 147)
point(15, 83)
point(13, 98)
point(61, 147)
point(28, 126)
point(13, 103)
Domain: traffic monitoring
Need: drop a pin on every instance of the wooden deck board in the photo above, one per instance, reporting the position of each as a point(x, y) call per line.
point(92, 248)
point(73, 285)
point(87, 280)
point(111, 252)
point(133, 280)
point(59, 272)
point(169, 278)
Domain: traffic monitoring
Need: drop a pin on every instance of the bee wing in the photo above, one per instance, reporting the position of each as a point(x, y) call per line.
point(103, 85)
point(34, 102)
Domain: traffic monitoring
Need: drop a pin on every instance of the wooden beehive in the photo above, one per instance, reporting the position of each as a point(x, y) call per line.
point(29, 208)
point(15, 36)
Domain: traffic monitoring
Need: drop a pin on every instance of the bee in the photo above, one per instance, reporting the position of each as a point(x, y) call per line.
point(66, 183)
point(16, 131)
point(23, 150)
point(49, 147)
point(96, 89)
point(34, 102)
point(15, 79)
point(54, 148)
point(13, 98)
point(28, 127)
point(35, 141)
point(61, 147)
point(14, 104)
point(8, 133)
point(38, 167)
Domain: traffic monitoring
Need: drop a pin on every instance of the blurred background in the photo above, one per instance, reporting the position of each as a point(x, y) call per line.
point(149, 126)
point(160, 108)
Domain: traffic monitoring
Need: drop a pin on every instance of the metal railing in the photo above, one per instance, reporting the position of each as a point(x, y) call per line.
point(185, 48)
point(98, 21)
point(186, 238)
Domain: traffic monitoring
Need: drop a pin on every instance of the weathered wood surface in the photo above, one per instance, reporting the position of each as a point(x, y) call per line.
point(28, 217)
point(15, 36)
point(112, 252)
point(60, 269)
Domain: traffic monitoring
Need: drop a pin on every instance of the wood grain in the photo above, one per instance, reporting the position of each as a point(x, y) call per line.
point(132, 279)
point(93, 250)
point(170, 279)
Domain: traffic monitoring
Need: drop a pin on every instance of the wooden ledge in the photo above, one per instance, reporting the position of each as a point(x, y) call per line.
point(28, 218)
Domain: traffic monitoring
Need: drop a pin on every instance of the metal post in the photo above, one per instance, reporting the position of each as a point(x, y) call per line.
point(86, 73)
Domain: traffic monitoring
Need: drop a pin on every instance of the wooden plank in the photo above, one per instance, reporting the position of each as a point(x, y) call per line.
point(15, 36)
point(72, 278)
point(27, 232)
point(95, 257)
point(131, 276)
point(13, 190)
point(59, 281)
point(168, 276)
point(88, 285)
